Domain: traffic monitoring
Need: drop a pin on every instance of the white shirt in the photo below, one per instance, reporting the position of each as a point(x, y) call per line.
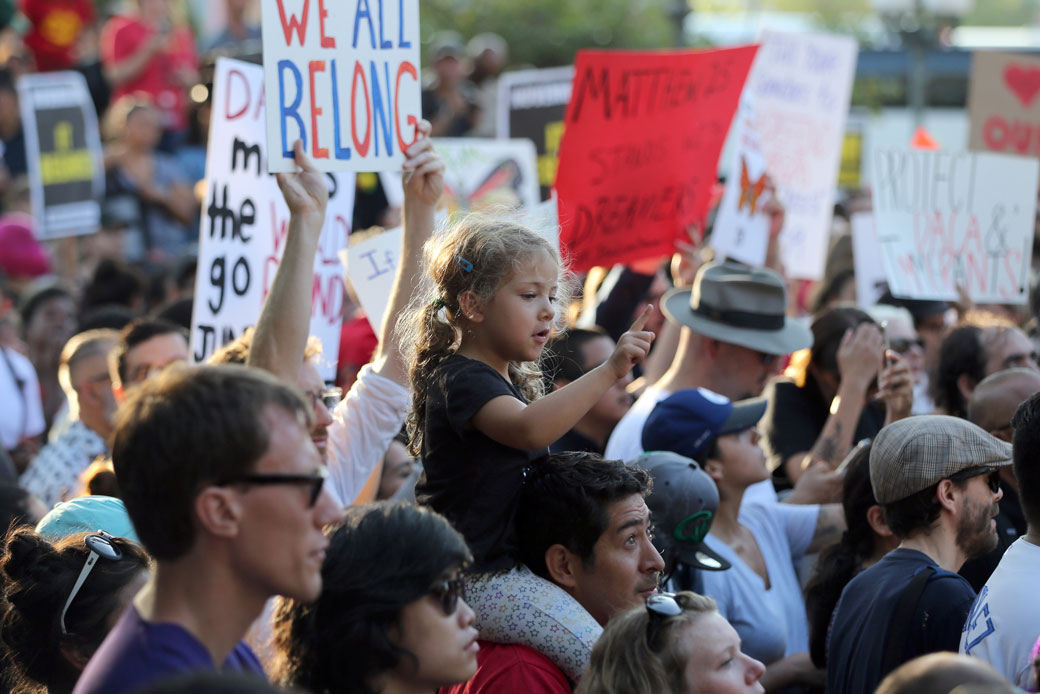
point(1004, 621)
point(21, 413)
point(626, 441)
point(53, 475)
point(363, 425)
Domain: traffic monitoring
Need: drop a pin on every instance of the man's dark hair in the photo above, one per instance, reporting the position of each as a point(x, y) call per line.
point(961, 353)
point(920, 309)
point(187, 428)
point(1026, 455)
point(381, 558)
point(566, 360)
point(35, 302)
point(916, 512)
point(135, 333)
point(114, 282)
point(564, 501)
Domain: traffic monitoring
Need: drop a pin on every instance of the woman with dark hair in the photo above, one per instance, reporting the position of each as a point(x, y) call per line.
point(60, 601)
point(391, 618)
point(844, 393)
point(865, 541)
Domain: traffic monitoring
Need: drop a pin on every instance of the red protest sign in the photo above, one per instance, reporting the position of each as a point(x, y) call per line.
point(640, 149)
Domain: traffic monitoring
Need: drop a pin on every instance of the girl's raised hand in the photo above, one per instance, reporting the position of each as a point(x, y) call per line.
point(423, 169)
point(306, 191)
point(633, 346)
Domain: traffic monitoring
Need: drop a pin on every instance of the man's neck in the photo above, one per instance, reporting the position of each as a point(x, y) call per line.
point(940, 546)
point(1032, 535)
point(692, 367)
point(198, 596)
point(96, 422)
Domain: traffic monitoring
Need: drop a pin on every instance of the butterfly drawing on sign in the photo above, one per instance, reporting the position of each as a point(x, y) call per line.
point(500, 188)
point(750, 191)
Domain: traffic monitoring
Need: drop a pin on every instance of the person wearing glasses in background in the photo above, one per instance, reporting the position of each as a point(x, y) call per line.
point(937, 479)
point(225, 489)
point(676, 644)
point(392, 616)
point(60, 600)
point(904, 340)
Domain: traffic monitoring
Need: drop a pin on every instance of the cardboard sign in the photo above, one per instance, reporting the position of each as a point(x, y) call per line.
point(344, 78)
point(871, 282)
point(741, 229)
point(1003, 103)
point(955, 219)
point(643, 132)
point(800, 86)
point(245, 221)
point(63, 149)
point(531, 104)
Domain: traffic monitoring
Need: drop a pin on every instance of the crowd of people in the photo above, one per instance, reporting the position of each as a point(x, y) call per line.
point(708, 479)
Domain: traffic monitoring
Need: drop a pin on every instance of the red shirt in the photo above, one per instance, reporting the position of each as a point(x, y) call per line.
point(55, 26)
point(122, 37)
point(512, 669)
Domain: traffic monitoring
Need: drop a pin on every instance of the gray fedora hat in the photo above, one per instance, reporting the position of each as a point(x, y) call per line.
point(738, 304)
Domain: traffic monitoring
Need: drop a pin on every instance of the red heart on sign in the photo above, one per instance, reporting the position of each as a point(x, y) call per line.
point(1024, 82)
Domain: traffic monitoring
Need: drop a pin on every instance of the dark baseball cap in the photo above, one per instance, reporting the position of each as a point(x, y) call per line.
point(682, 506)
point(688, 421)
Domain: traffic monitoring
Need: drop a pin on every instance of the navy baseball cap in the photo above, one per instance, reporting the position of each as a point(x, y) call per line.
point(683, 504)
point(688, 421)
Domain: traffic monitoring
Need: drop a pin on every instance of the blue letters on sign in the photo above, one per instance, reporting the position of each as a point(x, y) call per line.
point(339, 150)
point(293, 109)
point(367, 14)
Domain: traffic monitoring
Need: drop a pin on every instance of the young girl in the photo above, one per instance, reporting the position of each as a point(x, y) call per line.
point(478, 418)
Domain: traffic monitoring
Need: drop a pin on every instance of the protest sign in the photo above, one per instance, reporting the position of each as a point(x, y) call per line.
point(800, 86)
point(948, 220)
point(531, 104)
point(640, 149)
point(245, 221)
point(344, 78)
point(1002, 103)
point(741, 229)
point(63, 151)
point(871, 282)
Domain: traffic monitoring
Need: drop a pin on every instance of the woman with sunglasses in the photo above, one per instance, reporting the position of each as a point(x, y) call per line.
point(59, 602)
point(677, 644)
point(391, 618)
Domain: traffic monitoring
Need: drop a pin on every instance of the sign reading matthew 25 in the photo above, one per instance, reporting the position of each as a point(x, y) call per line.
point(343, 77)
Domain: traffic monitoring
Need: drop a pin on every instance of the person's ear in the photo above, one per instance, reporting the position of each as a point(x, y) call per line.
point(966, 386)
point(876, 518)
point(218, 511)
point(947, 493)
point(471, 306)
point(714, 468)
point(561, 563)
point(117, 391)
point(75, 656)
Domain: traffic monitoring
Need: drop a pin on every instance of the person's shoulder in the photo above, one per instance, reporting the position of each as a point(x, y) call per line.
point(507, 668)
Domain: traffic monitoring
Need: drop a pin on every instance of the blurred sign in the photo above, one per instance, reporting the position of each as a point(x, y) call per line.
point(948, 220)
point(1004, 103)
point(245, 222)
point(871, 282)
point(63, 151)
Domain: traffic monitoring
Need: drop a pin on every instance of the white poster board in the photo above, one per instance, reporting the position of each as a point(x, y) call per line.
point(343, 76)
point(871, 282)
point(63, 153)
point(949, 219)
point(244, 224)
point(800, 85)
point(741, 229)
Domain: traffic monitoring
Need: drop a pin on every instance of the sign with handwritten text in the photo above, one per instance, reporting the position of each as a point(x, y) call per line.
point(1004, 103)
point(741, 229)
point(871, 282)
point(641, 143)
point(343, 77)
point(801, 85)
point(947, 220)
point(63, 152)
point(245, 221)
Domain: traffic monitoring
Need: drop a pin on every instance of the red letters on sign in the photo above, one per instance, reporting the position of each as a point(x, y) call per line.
point(294, 23)
point(318, 151)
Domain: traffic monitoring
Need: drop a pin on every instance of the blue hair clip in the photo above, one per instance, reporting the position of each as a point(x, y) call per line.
point(464, 264)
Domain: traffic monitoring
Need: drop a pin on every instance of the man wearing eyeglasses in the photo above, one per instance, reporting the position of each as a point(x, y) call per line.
point(937, 479)
point(225, 489)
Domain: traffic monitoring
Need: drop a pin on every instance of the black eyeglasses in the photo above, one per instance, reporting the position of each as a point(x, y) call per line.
point(448, 592)
point(902, 345)
point(317, 481)
point(100, 546)
point(659, 607)
point(993, 480)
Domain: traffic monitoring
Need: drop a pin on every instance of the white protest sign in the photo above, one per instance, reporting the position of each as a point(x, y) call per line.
point(371, 266)
point(343, 76)
point(800, 85)
point(866, 255)
point(245, 221)
point(947, 220)
point(741, 229)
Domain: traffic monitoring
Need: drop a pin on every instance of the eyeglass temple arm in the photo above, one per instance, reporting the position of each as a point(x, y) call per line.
point(88, 566)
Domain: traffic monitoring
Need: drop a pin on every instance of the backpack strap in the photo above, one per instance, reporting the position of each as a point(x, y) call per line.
point(901, 626)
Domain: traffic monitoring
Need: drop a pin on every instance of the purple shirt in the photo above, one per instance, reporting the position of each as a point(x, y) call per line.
point(137, 653)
